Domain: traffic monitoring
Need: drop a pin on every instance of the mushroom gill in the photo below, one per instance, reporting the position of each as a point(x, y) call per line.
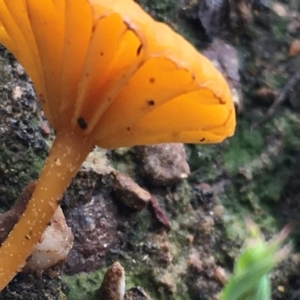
point(106, 74)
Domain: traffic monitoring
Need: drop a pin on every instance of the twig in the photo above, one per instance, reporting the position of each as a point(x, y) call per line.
point(11, 217)
point(282, 95)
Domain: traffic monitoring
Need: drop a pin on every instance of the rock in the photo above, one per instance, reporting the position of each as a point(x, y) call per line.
point(17, 93)
point(94, 224)
point(280, 10)
point(164, 164)
point(54, 244)
point(226, 60)
point(225, 18)
point(294, 48)
point(293, 26)
point(130, 193)
point(214, 16)
point(220, 275)
point(194, 261)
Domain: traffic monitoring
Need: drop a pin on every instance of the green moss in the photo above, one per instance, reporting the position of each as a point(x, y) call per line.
point(259, 165)
point(275, 80)
point(22, 148)
point(167, 11)
point(243, 147)
point(162, 10)
point(123, 161)
point(82, 286)
point(278, 28)
point(19, 164)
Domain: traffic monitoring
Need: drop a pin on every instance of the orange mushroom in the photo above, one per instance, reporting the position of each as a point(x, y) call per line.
point(106, 74)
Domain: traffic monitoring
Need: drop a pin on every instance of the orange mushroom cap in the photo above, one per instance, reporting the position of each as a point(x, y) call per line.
point(106, 74)
point(110, 67)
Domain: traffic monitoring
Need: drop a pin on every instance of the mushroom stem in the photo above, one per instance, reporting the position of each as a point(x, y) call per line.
point(66, 156)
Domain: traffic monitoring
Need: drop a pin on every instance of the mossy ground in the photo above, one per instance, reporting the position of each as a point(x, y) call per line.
point(255, 173)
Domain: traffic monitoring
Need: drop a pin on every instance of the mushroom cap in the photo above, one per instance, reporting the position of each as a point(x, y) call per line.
point(106, 69)
point(105, 73)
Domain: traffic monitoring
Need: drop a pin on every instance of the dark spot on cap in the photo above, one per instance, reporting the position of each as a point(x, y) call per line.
point(128, 128)
point(81, 122)
point(150, 102)
point(152, 80)
point(139, 49)
point(202, 140)
point(101, 53)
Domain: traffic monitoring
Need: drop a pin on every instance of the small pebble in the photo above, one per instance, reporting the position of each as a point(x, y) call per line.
point(164, 164)
point(130, 193)
point(294, 48)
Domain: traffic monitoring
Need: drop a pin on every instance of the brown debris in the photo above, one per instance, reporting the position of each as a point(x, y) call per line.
point(204, 193)
point(113, 284)
point(266, 95)
point(130, 193)
point(159, 214)
point(45, 129)
point(136, 293)
point(11, 217)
